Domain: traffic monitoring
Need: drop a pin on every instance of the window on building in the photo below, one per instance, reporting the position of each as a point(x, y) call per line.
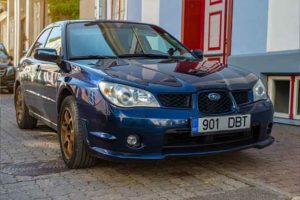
point(41, 41)
point(281, 96)
point(284, 92)
point(54, 40)
point(118, 9)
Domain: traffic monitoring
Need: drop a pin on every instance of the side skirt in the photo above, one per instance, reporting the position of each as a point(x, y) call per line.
point(44, 120)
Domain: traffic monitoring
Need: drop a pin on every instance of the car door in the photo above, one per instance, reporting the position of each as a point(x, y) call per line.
point(29, 74)
point(50, 73)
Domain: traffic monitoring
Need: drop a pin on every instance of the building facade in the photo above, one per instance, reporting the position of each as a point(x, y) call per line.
point(92, 9)
point(20, 23)
point(262, 36)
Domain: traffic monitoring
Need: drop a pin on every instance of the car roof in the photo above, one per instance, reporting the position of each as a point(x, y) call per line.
point(62, 23)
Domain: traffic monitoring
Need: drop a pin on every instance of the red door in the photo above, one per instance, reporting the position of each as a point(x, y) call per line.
point(207, 26)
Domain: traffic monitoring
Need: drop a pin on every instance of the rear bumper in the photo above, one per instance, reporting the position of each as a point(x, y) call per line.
point(107, 131)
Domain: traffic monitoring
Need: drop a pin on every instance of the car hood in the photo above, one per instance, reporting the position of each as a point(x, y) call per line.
point(197, 74)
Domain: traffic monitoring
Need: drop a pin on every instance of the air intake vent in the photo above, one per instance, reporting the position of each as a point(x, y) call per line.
point(241, 97)
point(175, 100)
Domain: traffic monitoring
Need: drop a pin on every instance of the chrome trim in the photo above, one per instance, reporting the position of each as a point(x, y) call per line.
point(40, 116)
point(39, 95)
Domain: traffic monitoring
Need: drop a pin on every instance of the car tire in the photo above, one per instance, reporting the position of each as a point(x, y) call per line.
point(71, 137)
point(24, 120)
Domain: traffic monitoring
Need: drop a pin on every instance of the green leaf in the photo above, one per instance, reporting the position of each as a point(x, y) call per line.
point(63, 10)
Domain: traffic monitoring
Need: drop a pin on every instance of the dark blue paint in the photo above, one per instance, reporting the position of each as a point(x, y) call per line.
point(107, 126)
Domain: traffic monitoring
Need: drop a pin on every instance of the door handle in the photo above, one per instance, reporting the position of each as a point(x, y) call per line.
point(38, 68)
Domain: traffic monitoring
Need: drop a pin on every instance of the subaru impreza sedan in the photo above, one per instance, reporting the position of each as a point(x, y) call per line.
point(131, 91)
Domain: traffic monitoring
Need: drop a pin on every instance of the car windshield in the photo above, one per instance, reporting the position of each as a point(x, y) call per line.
point(124, 40)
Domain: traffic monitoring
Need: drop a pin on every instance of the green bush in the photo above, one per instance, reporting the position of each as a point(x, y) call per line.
point(63, 10)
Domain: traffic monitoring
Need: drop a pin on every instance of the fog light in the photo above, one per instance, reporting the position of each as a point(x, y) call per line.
point(134, 140)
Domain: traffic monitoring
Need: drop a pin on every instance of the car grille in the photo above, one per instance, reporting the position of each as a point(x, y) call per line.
point(175, 100)
point(207, 106)
point(241, 97)
point(184, 139)
point(180, 140)
point(2, 72)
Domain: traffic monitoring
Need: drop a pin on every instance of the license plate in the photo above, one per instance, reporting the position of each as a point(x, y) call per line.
point(222, 123)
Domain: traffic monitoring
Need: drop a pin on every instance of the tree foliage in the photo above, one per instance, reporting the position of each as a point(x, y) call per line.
point(63, 9)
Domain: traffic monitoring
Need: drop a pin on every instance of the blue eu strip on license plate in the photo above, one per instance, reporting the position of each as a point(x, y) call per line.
point(195, 125)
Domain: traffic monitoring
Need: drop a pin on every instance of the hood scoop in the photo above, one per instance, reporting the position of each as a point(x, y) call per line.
point(141, 75)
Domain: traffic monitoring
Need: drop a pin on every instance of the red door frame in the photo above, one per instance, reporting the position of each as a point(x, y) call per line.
point(189, 32)
point(192, 33)
point(293, 77)
point(228, 29)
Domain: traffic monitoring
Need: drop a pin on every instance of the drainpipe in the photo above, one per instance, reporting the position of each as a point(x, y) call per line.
point(17, 32)
point(8, 26)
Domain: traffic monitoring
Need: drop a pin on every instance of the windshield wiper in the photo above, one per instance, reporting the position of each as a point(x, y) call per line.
point(91, 57)
point(143, 55)
point(157, 56)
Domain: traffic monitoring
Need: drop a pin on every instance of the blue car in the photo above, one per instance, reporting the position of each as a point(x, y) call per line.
point(131, 91)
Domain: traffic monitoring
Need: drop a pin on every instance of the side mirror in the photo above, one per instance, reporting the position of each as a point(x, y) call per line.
point(198, 53)
point(46, 54)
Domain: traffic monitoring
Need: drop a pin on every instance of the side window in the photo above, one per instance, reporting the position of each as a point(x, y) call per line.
point(54, 40)
point(41, 41)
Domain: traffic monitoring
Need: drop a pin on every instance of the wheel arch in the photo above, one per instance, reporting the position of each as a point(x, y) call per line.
point(65, 92)
point(16, 85)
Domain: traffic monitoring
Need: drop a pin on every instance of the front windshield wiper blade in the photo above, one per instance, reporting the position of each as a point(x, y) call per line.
point(158, 56)
point(91, 57)
point(143, 55)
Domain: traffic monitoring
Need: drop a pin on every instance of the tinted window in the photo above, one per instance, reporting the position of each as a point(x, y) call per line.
point(40, 43)
point(117, 39)
point(54, 40)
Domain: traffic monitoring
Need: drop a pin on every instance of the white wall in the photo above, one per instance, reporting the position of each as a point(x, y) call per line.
point(133, 10)
point(108, 9)
point(283, 25)
point(249, 26)
point(165, 13)
point(170, 16)
point(150, 11)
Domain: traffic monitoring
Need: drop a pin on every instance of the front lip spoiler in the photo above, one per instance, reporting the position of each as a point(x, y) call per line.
point(262, 144)
point(117, 156)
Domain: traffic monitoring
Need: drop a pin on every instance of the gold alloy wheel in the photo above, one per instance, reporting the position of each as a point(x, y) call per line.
point(67, 133)
point(19, 105)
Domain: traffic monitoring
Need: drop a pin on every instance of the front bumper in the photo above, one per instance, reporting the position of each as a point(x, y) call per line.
point(166, 132)
point(111, 155)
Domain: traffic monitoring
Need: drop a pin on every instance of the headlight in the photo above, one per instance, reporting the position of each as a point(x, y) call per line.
point(259, 91)
point(10, 70)
point(126, 96)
